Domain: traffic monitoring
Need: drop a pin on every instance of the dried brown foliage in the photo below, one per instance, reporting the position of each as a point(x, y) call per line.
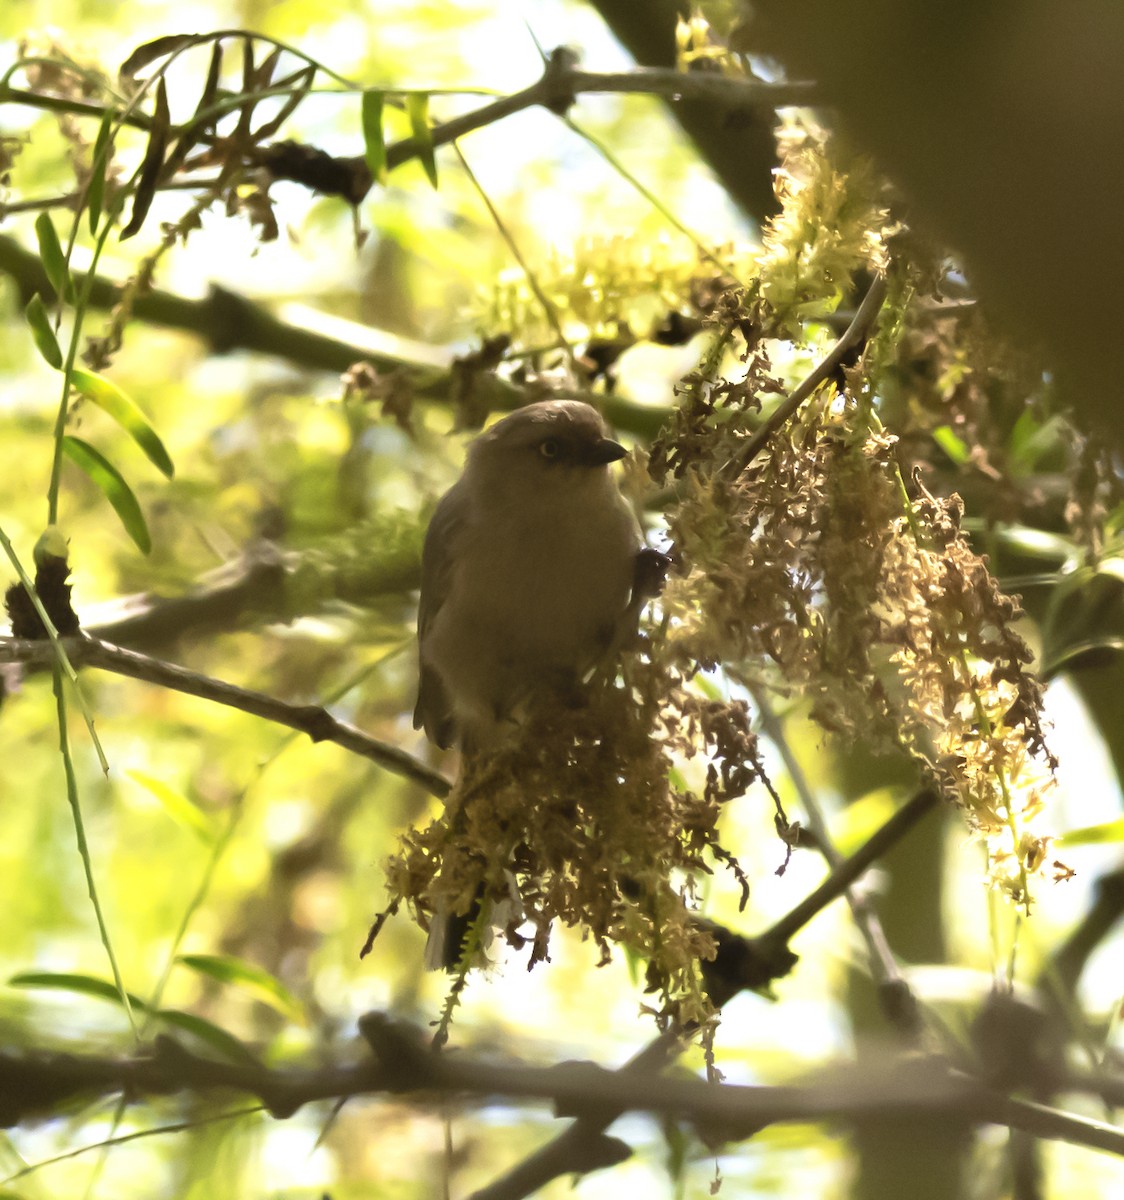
point(819, 570)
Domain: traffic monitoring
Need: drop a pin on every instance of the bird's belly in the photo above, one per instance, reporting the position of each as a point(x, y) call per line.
point(528, 621)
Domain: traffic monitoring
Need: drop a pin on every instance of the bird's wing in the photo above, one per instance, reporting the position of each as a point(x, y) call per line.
point(433, 710)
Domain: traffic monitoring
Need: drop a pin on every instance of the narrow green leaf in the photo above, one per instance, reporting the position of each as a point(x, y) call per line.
point(263, 76)
point(952, 445)
point(52, 257)
point(83, 985)
point(95, 193)
point(210, 1034)
point(1094, 835)
point(252, 979)
point(113, 486)
point(301, 82)
point(142, 56)
point(41, 331)
point(111, 399)
point(1032, 440)
point(153, 162)
point(417, 109)
point(211, 85)
point(176, 805)
point(374, 144)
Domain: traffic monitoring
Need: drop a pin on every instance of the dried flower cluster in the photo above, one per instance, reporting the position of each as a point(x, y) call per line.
point(577, 820)
point(870, 602)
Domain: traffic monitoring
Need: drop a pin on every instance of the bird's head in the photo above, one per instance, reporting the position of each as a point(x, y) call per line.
point(551, 446)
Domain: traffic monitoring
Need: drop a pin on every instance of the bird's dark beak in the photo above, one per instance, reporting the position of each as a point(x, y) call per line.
point(603, 451)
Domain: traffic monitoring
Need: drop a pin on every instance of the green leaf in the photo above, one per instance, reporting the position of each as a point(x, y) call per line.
point(41, 331)
point(176, 805)
point(95, 193)
point(142, 56)
point(953, 446)
point(260, 984)
point(417, 109)
point(153, 162)
point(83, 985)
point(1032, 440)
point(52, 257)
point(210, 1034)
point(374, 144)
point(1083, 656)
point(111, 399)
point(1036, 543)
point(113, 486)
point(1094, 835)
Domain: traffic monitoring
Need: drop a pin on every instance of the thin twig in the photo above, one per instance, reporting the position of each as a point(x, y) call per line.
point(899, 1004)
point(853, 336)
point(850, 869)
point(571, 1149)
point(545, 303)
point(311, 719)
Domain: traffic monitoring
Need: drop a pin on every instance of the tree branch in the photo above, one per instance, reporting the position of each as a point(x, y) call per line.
point(31, 1085)
point(311, 719)
point(227, 322)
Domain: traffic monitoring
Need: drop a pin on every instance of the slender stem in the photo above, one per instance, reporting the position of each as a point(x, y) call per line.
point(704, 250)
point(83, 845)
point(548, 307)
point(68, 367)
point(56, 653)
point(155, 1131)
point(850, 869)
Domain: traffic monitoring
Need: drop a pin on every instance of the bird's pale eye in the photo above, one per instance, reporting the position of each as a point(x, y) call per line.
point(551, 448)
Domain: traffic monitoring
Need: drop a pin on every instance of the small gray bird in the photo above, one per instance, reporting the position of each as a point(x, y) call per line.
point(529, 564)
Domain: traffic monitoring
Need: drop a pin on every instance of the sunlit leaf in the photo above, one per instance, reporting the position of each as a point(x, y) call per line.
point(1094, 835)
point(112, 400)
point(52, 257)
point(83, 985)
point(862, 817)
point(210, 1034)
point(250, 978)
point(41, 331)
point(176, 805)
point(95, 192)
point(374, 144)
point(953, 446)
point(113, 486)
point(417, 109)
point(1036, 543)
point(1112, 566)
point(1031, 439)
